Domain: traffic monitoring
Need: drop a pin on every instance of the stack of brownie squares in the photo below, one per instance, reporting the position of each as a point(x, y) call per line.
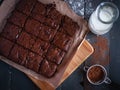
point(37, 36)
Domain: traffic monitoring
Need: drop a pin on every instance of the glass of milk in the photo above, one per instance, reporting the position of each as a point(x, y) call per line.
point(102, 19)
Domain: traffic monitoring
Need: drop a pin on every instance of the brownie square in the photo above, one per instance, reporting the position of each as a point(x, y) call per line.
point(53, 23)
point(5, 46)
point(26, 40)
point(40, 47)
point(47, 68)
point(17, 18)
point(63, 41)
point(11, 31)
point(32, 26)
point(26, 6)
point(47, 33)
point(39, 12)
point(39, 9)
point(54, 14)
point(55, 54)
point(33, 61)
point(18, 55)
point(70, 27)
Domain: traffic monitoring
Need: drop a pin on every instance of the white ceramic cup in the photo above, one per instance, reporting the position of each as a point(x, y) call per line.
point(105, 79)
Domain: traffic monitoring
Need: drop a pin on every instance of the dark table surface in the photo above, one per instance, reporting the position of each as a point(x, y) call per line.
point(107, 53)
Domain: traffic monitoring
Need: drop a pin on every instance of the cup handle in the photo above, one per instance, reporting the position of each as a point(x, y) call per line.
point(107, 80)
point(85, 68)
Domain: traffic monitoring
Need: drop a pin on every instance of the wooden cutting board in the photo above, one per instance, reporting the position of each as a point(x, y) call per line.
point(83, 52)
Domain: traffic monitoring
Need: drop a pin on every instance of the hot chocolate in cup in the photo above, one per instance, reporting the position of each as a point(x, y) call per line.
point(97, 74)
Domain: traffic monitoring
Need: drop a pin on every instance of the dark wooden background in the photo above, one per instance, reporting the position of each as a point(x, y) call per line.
point(107, 53)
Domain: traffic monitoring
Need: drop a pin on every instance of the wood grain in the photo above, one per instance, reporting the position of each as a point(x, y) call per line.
point(83, 52)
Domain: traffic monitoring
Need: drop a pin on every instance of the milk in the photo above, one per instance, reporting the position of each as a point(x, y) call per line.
point(98, 27)
point(98, 22)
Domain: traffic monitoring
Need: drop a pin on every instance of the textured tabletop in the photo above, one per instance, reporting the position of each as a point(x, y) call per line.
point(107, 53)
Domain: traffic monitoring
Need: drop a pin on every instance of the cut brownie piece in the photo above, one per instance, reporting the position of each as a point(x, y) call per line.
point(32, 26)
point(40, 47)
point(26, 40)
point(55, 55)
point(54, 14)
point(47, 33)
point(33, 61)
point(5, 46)
point(40, 9)
point(18, 18)
point(63, 41)
point(18, 55)
point(11, 32)
point(38, 12)
point(53, 23)
point(26, 6)
point(47, 68)
point(70, 27)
